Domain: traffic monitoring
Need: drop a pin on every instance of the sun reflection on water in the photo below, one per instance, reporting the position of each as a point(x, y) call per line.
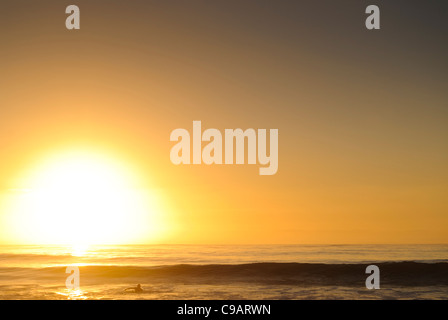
point(79, 250)
point(73, 294)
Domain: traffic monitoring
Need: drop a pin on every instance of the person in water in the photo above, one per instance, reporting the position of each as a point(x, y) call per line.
point(137, 289)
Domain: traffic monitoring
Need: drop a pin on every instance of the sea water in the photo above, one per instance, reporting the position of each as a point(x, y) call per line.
point(225, 271)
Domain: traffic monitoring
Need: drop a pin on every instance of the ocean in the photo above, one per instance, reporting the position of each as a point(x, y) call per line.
point(225, 272)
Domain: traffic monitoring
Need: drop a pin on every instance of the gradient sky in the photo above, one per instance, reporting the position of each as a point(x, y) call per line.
point(362, 115)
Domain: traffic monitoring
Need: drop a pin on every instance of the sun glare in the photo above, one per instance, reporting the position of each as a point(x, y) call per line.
point(80, 199)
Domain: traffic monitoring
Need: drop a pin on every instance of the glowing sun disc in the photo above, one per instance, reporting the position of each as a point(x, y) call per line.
point(82, 199)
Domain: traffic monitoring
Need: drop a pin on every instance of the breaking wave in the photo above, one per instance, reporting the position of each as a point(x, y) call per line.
point(407, 273)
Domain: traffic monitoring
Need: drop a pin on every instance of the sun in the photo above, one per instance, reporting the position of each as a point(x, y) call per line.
point(83, 198)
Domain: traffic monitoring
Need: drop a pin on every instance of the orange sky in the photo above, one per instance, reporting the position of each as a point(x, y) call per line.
point(362, 115)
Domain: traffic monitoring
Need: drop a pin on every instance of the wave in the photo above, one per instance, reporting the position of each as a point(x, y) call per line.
point(407, 273)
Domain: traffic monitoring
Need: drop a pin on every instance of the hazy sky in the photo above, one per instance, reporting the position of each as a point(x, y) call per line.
point(362, 115)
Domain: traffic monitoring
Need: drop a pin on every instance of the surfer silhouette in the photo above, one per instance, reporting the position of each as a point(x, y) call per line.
point(137, 289)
